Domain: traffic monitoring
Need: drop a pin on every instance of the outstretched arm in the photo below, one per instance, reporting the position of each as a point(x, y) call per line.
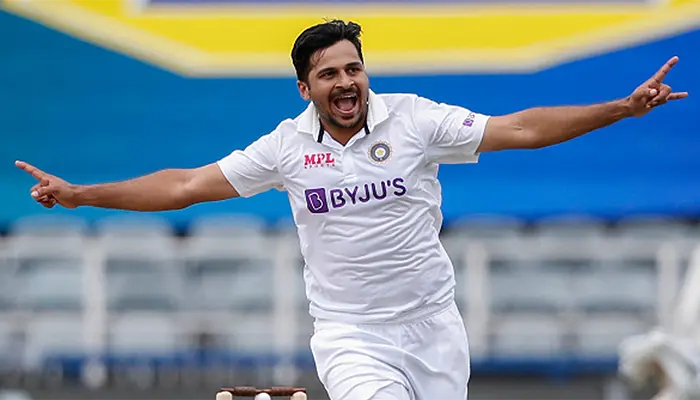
point(546, 126)
point(170, 189)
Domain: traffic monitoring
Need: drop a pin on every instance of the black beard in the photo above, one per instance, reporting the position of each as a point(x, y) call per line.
point(330, 120)
point(340, 124)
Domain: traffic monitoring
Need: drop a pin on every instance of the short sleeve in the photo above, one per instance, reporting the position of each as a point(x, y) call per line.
point(451, 134)
point(255, 169)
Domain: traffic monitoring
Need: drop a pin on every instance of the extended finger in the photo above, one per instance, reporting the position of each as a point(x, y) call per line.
point(32, 170)
point(677, 96)
point(664, 70)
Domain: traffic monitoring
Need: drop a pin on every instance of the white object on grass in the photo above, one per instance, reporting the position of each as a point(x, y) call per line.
point(224, 396)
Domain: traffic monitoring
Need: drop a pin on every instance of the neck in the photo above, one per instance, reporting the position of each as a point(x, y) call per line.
point(343, 135)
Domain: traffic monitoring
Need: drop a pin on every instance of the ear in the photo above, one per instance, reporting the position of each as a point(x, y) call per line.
point(304, 90)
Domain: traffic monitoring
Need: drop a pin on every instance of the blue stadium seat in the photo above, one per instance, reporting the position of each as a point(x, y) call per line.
point(527, 334)
point(142, 265)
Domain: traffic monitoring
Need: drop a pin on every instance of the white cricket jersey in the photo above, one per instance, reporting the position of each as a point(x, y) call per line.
point(367, 213)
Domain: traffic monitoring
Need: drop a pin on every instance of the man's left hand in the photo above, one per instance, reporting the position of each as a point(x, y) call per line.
point(654, 92)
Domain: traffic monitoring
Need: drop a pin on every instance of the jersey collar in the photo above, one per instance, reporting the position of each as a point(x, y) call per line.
point(309, 122)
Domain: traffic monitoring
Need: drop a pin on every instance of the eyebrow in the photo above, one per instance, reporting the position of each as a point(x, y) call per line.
point(329, 69)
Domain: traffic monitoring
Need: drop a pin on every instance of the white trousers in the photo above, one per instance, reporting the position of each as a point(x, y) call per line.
point(419, 360)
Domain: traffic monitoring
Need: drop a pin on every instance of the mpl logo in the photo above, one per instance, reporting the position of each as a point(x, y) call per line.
point(320, 200)
point(319, 160)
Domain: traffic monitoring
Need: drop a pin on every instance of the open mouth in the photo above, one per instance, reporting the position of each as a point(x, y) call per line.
point(346, 104)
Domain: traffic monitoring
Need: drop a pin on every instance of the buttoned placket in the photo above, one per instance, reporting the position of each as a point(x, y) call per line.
point(345, 153)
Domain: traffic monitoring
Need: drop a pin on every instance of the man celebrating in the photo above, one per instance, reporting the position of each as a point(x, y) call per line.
point(360, 171)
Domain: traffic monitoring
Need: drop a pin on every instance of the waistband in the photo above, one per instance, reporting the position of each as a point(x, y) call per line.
point(417, 315)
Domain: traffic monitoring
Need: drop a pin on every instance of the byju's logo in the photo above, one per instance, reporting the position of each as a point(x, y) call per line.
point(320, 200)
point(319, 160)
point(469, 121)
point(316, 200)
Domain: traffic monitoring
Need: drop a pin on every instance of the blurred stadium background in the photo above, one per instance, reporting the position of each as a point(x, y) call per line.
point(560, 253)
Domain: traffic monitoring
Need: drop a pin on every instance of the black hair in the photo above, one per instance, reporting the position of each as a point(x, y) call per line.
point(320, 37)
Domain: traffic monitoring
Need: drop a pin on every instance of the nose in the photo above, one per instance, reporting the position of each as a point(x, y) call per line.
point(345, 81)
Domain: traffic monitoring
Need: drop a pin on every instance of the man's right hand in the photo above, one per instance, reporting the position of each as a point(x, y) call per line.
point(165, 190)
point(50, 190)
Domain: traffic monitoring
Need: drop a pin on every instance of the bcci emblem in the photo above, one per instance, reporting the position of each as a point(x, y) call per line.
point(380, 152)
